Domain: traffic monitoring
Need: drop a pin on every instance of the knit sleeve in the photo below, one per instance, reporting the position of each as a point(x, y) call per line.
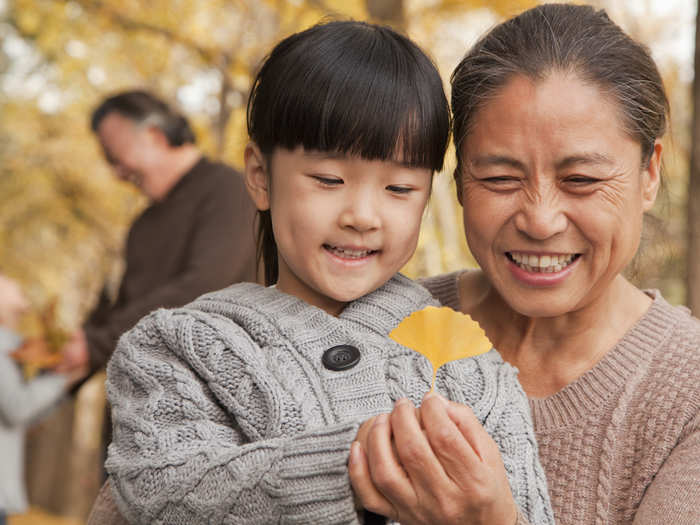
point(22, 402)
point(490, 386)
point(674, 494)
point(199, 440)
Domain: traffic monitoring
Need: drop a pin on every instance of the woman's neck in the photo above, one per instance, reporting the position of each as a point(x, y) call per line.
point(553, 352)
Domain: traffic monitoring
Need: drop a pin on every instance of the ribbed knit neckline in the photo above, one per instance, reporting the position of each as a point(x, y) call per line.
point(631, 355)
point(588, 393)
point(379, 311)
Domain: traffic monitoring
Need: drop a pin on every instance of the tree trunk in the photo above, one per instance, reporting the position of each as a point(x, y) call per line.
point(389, 12)
point(224, 106)
point(63, 462)
point(693, 224)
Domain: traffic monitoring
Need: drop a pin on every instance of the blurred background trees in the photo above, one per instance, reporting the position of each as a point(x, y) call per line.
point(63, 217)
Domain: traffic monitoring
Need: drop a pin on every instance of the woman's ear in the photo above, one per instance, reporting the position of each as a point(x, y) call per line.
point(257, 179)
point(651, 177)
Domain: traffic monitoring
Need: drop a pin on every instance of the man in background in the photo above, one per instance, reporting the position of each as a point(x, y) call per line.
point(197, 235)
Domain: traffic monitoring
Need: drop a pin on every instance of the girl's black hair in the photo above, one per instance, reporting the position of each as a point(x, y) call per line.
point(352, 88)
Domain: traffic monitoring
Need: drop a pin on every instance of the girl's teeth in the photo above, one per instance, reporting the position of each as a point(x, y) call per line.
point(542, 263)
point(349, 254)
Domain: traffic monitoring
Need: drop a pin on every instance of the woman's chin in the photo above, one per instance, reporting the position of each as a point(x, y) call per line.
point(540, 302)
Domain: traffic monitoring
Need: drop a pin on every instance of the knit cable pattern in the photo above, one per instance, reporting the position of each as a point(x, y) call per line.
point(223, 412)
point(621, 444)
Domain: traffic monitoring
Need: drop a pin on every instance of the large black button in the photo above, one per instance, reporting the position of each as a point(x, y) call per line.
point(341, 357)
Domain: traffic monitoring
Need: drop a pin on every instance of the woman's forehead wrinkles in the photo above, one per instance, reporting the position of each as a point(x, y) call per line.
point(590, 158)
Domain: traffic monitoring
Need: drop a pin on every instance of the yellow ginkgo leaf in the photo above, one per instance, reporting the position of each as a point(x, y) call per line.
point(442, 335)
point(35, 355)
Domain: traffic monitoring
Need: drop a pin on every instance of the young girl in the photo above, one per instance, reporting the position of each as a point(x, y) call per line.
point(242, 406)
point(21, 402)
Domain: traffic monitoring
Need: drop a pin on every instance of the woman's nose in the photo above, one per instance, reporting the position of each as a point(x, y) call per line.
point(541, 218)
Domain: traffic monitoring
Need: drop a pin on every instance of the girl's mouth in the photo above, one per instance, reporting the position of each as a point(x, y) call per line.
point(349, 253)
point(551, 263)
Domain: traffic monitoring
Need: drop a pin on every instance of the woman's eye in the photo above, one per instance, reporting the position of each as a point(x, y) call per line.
point(327, 181)
point(581, 180)
point(501, 179)
point(501, 182)
point(402, 190)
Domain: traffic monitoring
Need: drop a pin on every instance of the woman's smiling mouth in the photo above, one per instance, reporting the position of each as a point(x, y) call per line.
point(546, 263)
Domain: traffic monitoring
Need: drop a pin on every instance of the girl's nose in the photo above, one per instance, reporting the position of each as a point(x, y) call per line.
point(360, 213)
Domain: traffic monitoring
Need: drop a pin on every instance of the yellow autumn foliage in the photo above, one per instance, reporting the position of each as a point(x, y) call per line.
point(62, 215)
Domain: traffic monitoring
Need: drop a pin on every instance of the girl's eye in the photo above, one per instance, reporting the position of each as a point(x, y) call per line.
point(327, 181)
point(401, 190)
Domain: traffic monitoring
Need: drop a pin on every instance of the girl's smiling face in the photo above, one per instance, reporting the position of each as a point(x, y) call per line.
point(14, 303)
point(343, 225)
point(553, 191)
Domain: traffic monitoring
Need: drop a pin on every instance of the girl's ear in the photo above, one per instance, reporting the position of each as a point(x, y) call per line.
point(257, 179)
point(652, 177)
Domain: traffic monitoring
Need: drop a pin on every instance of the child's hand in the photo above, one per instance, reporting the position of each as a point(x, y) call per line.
point(447, 470)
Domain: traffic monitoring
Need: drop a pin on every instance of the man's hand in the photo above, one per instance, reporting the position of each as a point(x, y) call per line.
point(74, 354)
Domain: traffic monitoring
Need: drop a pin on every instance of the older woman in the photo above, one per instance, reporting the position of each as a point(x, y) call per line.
point(557, 121)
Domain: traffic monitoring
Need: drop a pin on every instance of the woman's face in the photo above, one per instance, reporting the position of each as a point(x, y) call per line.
point(553, 191)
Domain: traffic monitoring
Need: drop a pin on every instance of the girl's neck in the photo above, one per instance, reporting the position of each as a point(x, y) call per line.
point(327, 304)
point(553, 352)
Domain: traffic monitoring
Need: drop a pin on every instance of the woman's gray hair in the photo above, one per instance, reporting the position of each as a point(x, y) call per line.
point(566, 38)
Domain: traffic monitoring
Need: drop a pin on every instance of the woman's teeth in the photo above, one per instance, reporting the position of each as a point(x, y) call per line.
point(542, 263)
point(346, 253)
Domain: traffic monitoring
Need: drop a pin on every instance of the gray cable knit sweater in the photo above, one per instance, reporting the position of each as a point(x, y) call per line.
point(224, 413)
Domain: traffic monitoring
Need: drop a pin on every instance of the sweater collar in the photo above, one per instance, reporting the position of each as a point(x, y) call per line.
point(628, 359)
point(386, 307)
point(379, 311)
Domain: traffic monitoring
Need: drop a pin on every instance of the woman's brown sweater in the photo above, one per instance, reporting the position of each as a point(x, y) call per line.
point(621, 444)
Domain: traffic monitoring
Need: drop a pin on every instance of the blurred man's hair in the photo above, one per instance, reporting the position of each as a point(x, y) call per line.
point(145, 108)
